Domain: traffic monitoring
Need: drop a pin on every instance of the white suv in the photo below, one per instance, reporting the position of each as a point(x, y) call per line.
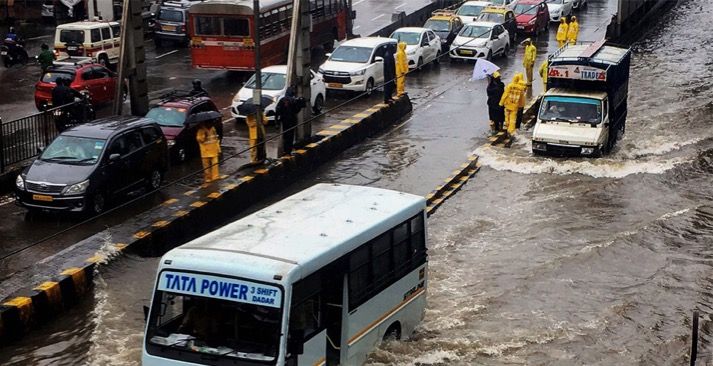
point(422, 45)
point(357, 64)
point(98, 40)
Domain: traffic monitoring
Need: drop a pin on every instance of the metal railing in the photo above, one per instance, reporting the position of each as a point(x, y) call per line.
point(20, 139)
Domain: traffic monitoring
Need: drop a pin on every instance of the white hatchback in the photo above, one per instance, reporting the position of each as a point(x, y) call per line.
point(480, 40)
point(422, 45)
point(470, 10)
point(559, 9)
point(274, 86)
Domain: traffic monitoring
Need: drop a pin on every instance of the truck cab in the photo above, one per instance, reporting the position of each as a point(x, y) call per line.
point(583, 112)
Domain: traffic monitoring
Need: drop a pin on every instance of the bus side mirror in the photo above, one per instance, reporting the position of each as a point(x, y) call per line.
point(146, 313)
point(296, 342)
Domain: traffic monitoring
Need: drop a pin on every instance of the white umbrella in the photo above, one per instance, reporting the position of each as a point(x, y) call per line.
point(483, 68)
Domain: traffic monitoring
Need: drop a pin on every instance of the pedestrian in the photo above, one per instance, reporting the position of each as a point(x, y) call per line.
point(286, 113)
point(198, 90)
point(45, 58)
point(573, 31)
point(209, 143)
point(256, 132)
point(562, 32)
point(389, 74)
point(495, 111)
point(512, 98)
point(544, 69)
point(62, 95)
point(529, 60)
point(401, 69)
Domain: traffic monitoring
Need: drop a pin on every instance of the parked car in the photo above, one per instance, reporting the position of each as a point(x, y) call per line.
point(446, 24)
point(501, 15)
point(469, 11)
point(422, 45)
point(85, 75)
point(90, 166)
point(532, 17)
point(179, 115)
point(481, 40)
point(510, 4)
point(274, 86)
point(170, 23)
point(98, 40)
point(559, 9)
point(357, 64)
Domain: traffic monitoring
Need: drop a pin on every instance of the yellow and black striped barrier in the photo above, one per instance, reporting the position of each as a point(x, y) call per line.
point(451, 184)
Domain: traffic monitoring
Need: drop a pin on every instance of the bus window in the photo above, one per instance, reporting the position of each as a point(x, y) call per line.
point(236, 27)
point(207, 26)
point(359, 276)
point(306, 314)
point(381, 260)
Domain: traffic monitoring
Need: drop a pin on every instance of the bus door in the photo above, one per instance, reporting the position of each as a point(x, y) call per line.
point(335, 300)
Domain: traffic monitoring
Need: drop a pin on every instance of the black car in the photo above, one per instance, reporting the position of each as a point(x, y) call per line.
point(88, 165)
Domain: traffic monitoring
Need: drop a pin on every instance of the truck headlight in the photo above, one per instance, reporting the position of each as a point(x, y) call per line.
point(78, 188)
point(541, 146)
point(358, 72)
point(20, 182)
point(587, 150)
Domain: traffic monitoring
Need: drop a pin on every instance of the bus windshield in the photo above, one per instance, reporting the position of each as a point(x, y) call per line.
point(183, 323)
point(571, 109)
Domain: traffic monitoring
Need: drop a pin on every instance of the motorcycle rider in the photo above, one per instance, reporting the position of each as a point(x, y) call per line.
point(11, 35)
point(62, 95)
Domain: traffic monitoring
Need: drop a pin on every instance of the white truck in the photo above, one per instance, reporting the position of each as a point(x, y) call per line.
point(583, 111)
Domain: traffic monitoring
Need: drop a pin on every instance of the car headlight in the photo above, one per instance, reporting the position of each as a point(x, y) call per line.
point(587, 150)
point(556, 11)
point(78, 188)
point(532, 21)
point(20, 182)
point(170, 142)
point(359, 72)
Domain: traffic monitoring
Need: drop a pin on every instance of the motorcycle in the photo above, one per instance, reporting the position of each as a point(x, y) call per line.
point(13, 52)
point(81, 111)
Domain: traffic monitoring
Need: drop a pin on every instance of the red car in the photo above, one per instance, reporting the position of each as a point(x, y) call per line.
point(94, 78)
point(532, 16)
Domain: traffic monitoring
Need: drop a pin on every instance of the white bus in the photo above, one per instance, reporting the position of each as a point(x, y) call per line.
point(319, 278)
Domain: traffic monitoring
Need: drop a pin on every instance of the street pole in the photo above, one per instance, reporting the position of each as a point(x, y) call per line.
point(132, 60)
point(257, 92)
point(118, 103)
point(303, 60)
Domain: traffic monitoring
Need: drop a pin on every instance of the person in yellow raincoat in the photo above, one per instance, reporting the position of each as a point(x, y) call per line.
point(573, 31)
point(529, 60)
point(513, 99)
point(401, 69)
point(256, 132)
point(209, 143)
point(562, 32)
point(543, 74)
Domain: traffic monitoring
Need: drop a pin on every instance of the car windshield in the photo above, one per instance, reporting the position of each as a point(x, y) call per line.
point(491, 17)
point(168, 117)
point(555, 1)
point(470, 10)
point(410, 38)
point(170, 15)
point(270, 81)
point(528, 9)
point(438, 25)
point(475, 31)
point(71, 36)
point(571, 109)
point(74, 150)
point(52, 76)
point(351, 54)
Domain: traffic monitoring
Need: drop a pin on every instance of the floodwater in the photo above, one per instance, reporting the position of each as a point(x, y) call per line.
point(536, 261)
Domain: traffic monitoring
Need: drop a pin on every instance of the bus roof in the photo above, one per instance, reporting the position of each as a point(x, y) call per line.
point(234, 7)
point(311, 228)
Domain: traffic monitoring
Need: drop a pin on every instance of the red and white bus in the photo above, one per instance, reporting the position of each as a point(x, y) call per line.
point(222, 39)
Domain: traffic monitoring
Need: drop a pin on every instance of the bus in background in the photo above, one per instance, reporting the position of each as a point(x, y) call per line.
point(319, 278)
point(222, 39)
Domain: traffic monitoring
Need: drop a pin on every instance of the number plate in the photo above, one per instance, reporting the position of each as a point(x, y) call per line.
point(71, 48)
point(43, 198)
point(466, 52)
point(168, 28)
point(520, 27)
point(3, 53)
point(334, 85)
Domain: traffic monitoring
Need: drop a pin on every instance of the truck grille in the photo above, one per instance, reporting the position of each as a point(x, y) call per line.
point(561, 150)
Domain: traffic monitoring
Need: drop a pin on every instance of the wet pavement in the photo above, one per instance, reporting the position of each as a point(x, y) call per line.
point(536, 261)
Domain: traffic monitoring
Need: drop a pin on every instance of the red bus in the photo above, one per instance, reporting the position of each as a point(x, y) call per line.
point(221, 31)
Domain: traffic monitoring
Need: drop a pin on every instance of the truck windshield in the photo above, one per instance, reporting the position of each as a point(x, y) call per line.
point(571, 109)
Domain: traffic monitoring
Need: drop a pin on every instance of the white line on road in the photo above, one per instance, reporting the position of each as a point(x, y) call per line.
point(357, 3)
point(400, 6)
point(9, 201)
point(40, 37)
point(166, 54)
point(377, 17)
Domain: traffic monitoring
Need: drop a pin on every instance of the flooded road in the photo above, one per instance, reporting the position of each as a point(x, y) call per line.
point(536, 261)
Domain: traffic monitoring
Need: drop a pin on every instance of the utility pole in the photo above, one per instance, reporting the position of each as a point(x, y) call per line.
point(257, 92)
point(132, 60)
point(298, 63)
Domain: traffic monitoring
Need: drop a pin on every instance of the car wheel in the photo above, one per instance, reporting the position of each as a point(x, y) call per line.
point(154, 180)
point(318, 104)
point(437, 60)
point(506, 50)
point(419, 64)
point(489, 56)
point(369, 86)
point(104, 61)
point(98, 203)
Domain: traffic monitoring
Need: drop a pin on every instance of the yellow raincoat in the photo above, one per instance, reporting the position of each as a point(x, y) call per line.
point(562, 32)
point(209, 143)
point(401, 69)
point(256, 132)
point(529, 61)
point(543, 73)
point(513, 98)
point(573, 31)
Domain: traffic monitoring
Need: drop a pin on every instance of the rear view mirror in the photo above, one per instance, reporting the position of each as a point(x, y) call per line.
point(114, 157)
point(328, 55)
point(378, 59)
